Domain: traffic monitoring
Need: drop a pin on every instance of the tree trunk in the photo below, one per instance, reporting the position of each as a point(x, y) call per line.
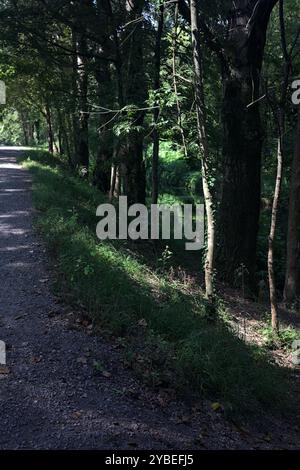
point(114, 190)
point(175, 86)
point(241, 192)
point(155, 135)
point(280, 119)
point(101, 175)
point(275, 206)
point(203, 142)
point(134, 174)
point(80, 97)
point(83, 137)
point(37, 126)
point(24, 127)
point(49, 128)
point(292, 278)
point(61, 133)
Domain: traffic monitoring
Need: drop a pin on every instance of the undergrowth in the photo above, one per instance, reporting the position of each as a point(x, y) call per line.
point(172, 340)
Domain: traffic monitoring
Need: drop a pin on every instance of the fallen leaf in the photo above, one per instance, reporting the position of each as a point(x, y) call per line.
point(106, 374)
point(4, 370)
point(143, 323)
point(216, 406)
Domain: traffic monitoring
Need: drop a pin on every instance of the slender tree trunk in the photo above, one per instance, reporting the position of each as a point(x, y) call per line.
point(49, 128)
point(80, 99)
point(83, 144)
point(75, 125)
point(114, 190)
point(61, 133)
point(70, 138)
point(175, 87)
point(155, 135)
point(113, 178)
point(117, 187)
point(24, 127)
point(271, 272)
point(203, 142)
point(37, 126)
point(280, 118)
point(292, 278)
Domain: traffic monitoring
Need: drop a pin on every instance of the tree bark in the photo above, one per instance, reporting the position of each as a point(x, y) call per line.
point(203, 143)
point(83, 115)
point(37, 126)
point(175, 86)
point(101, 175)
point(80, 92)
point(280, 121)
point(155, 135)
point(292, 278)
point(275, 206)
point(24, 127)
point(132, 151)
point(241, 192)
point(49, 128)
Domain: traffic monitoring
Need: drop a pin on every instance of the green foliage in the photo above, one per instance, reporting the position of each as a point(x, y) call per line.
point(283, 339)
point(179, 182)
point(11, 132)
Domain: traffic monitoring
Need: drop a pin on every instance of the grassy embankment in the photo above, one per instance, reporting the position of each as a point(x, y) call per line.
point(170, 331)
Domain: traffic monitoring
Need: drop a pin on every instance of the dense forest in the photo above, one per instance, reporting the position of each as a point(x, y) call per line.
point(169, 102)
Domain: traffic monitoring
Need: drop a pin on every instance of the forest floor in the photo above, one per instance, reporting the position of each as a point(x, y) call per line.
point(54, 394)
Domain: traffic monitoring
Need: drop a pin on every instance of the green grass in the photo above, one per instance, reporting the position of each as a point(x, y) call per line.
point(177, 336)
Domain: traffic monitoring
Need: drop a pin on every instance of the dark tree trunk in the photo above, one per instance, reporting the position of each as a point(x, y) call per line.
point(134, 174)
point(61, 133)
point(83, 124)
point(241, 193)
point(157, 60)
point(31, 133)
point(292, 279)
point(80, 92)
point(24, 127)
point(49, 128)
point(102, 171)
point(37, 126)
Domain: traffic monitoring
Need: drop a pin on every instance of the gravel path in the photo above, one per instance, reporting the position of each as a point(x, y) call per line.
point(51, 397)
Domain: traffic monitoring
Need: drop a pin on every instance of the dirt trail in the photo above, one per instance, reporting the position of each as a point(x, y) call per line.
point(50, 395)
